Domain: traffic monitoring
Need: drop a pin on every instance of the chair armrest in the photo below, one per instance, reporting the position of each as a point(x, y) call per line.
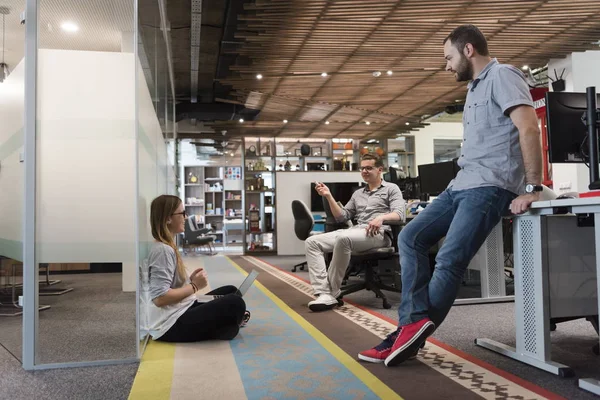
point(393, 222)
point(203, 231)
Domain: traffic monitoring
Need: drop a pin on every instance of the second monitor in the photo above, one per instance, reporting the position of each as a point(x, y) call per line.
point(436, 177)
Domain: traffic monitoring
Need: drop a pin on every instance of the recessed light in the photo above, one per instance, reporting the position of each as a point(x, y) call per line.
point(367, 122)
point(324, 74)
point(259, 76)
point(285, 121)
point(525, 67)
point(241, 119)
point(390, 72)
point(326, 122)
point(408, 123)
point(69, 26)
point(376, 74)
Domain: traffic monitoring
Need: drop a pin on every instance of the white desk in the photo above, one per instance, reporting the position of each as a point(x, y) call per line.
point(532, 308)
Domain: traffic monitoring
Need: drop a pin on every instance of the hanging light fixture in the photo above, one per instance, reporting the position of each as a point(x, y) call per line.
point(3, 67)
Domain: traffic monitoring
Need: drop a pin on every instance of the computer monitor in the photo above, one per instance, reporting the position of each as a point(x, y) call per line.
point(435, 177)
point(567, 132)
point(341, 191)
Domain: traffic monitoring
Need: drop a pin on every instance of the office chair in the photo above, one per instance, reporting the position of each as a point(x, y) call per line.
point(195, 236)
point(368, 263)
point(303, 226)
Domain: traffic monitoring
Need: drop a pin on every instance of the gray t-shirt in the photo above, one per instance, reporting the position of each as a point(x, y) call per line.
point(491, 151)
point(162, 264)
point(365, 205)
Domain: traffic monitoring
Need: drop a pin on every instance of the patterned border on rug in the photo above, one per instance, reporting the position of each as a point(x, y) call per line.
point(468, 371)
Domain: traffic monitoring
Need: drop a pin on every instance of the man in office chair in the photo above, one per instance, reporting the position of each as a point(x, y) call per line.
point(501, 166)
point(371, 205)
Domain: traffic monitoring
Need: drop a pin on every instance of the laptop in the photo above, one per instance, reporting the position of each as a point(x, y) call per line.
point(241, 291)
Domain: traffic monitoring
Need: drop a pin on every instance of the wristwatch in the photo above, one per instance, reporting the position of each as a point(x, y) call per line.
point(531, 188)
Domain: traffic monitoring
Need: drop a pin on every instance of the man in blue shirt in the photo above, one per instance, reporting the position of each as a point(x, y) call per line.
point(500, 165)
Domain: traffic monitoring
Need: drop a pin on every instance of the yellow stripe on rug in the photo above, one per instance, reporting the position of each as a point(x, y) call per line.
point(370, 380)
point(154, 378)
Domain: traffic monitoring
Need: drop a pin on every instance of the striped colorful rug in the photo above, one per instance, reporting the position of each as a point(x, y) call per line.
point(288, 352)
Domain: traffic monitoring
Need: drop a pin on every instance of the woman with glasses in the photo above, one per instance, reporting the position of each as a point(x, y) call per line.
point(174, 313)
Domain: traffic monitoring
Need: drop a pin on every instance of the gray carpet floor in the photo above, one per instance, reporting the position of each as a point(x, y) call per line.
point(572, 342)
point(95, 321)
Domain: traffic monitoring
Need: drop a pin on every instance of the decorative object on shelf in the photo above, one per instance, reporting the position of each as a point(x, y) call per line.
point(192, 178)
point(268, 222)
point(280, 167)
point(268, 201)
point(305, 150)
point(316, 151)
point(288, 166)
point(253, 219)
point(348, 146)
point(251, 151)
point(344, 161)
point(259, 181)
point(233, 173)
point(259, 166)
point(297, 167)
point(267, 151)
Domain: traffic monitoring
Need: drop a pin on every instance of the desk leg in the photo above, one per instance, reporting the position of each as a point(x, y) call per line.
point(531, 311)
point(490, 260)
point(593, 385)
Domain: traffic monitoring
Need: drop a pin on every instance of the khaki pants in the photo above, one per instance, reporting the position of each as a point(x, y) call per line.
point(342, 243)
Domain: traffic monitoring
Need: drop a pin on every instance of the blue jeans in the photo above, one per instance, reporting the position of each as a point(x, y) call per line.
point(465, 218)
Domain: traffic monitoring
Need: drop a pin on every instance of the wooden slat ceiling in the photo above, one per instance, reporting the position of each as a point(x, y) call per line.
point(292, 42)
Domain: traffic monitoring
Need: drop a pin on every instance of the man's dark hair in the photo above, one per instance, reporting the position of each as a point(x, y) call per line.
point(464, 34)
point(373, 156)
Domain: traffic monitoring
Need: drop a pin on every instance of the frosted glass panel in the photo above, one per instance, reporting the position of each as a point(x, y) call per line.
point(86, 180)
point(12, 104)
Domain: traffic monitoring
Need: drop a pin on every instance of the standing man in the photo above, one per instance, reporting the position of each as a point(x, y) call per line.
point(501, 166)
point(377, 202)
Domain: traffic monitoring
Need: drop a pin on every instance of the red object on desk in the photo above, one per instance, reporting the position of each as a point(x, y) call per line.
point(591, 193)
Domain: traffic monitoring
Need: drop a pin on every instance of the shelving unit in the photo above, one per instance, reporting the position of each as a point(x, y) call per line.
point(193, 191)
point(259, 196)
point(209, 194)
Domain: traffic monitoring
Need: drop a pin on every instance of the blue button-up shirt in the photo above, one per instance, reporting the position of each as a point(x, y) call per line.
point(491, 152)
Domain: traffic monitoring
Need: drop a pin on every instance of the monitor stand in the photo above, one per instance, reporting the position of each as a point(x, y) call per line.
point(592, 116)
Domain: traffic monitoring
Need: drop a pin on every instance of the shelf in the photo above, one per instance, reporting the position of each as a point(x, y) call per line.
point(194, 205)
point(213, 215)
point(235, 243)
point(256, 157)
point(260, 232)
point(213, 191)
point(261, 191)
point(193, 184)
point(233, 199)
point(255, 171)
point(213, 179)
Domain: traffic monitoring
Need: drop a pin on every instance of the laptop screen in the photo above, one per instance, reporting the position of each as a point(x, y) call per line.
point(248, 282)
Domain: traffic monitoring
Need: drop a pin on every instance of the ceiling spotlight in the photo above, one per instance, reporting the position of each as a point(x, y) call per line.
point(232, 154)
point(326, 122)
point(407, 123)
point(390, 72)
point(241, 120)
point(69, 26)
point(324, 74)
point(285, 121)
point(259, 76)
point(367, 122)
point(525, 67)
point(376, 74)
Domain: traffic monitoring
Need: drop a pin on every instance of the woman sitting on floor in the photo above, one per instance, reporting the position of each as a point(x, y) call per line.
point(174, 313)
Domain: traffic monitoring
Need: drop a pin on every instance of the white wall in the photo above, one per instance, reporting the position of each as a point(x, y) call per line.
point(581, 71)
point(291, 186)
point(424, 140)
point(12, 105)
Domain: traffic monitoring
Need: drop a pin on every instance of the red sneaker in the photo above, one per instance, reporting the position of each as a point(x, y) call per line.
point(407, 343)
point(379, 353)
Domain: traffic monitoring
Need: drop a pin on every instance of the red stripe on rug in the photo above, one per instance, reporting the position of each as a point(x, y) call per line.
point(513, 378)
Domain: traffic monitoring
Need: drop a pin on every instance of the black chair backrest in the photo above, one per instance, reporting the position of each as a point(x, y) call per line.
point(331, 223)
point(303, 219)
point(393, 175)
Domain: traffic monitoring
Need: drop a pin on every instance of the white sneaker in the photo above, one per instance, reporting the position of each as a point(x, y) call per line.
point(323, 302)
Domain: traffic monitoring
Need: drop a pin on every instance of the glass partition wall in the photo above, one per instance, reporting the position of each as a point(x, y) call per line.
point(92, 155)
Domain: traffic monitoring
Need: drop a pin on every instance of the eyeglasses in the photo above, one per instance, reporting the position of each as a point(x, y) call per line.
point(182, 213)
point(367, 168)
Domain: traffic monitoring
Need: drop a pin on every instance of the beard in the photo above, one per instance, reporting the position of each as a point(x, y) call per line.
point(464, 72)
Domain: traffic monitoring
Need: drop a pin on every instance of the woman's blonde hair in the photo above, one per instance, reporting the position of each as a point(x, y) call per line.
point(161, 209)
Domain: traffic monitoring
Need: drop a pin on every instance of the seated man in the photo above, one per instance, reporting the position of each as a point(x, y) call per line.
point(371, 205)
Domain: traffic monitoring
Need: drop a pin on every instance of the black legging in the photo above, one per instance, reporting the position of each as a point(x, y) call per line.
point(217, 319)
